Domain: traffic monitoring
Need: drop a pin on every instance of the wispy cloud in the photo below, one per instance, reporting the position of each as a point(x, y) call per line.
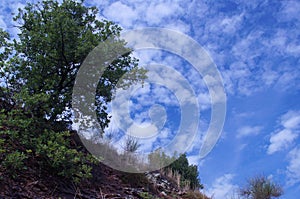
point(290, 10)
point(287, 133)
point(121, 13)
point(248, 131)
point(249, 55)
point(293, 169)
point(134, 14)
point(222, 187)
point(281, 140)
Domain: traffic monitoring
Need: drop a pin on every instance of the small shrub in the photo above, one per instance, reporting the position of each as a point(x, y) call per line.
point(261, 187)
point(50, 148)
point(67, 162)
point(2, 148)
point(131, 144)
point(14, 162)
point(146, 195)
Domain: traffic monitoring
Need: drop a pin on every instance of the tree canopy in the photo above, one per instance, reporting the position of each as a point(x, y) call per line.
point(54, 41)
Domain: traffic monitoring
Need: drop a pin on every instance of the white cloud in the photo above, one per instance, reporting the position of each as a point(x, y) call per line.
point(230, 24)
point(222, 187)
point(290, 10)
point(194, 78)
point(255, 56)
point(134, 14)
point(183, 140)
point(248, 130)
point(204, 101)
point(291, 120)
point(281, 140)
point(269, 77)
point(157, 12)
point(121, 13)
point(178, 25)
point(214, 29)
point(284, 137)
point(143, 130)
point(288, 79)
point(293, 49)
point(293, 169)
point(195, 160)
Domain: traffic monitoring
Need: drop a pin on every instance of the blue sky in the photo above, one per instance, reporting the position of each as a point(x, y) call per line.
point(256, 47)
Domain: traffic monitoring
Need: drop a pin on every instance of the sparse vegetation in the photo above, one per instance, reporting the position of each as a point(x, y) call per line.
point(194, 195)
point(177, 168)
point(261, 187)
point(131, 144)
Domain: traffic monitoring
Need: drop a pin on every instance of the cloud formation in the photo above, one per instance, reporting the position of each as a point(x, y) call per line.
point(293, 168)
point(222, 187)
point(248, 131)
point(288, 132)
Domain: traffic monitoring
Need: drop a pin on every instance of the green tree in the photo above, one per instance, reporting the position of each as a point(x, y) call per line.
point(261, 188)
point(54, 41)
point(189, 173)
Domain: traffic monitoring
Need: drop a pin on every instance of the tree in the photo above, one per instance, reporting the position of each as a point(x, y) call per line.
point(261, 187)
point(189, 173)
point(54, 41)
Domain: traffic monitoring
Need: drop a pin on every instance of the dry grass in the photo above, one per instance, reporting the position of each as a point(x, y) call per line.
point(194, 195)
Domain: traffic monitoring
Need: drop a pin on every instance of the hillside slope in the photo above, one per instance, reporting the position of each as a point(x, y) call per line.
point(33, 182)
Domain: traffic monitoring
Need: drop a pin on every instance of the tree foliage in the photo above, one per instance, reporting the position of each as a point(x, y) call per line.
point(54, 41)
point(189, 174)
point(261, 187)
